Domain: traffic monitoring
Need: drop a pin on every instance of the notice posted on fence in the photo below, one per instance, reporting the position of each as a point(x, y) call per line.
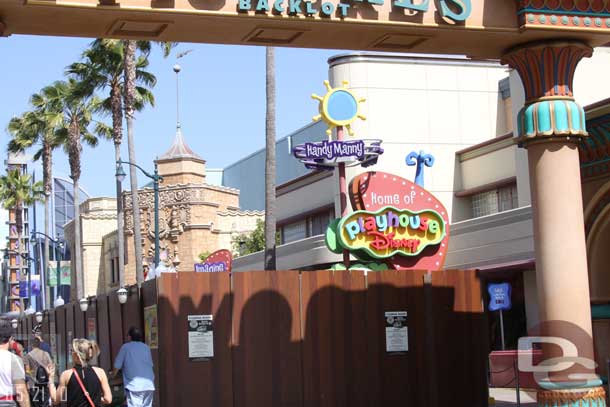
point(396, 332)
point(201, 337)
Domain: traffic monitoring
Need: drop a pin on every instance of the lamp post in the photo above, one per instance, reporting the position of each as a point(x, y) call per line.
point(156, 178)
point(59, 246)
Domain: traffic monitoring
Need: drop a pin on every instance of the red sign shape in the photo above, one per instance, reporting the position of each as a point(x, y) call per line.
point(220, 256)
point(373, 190)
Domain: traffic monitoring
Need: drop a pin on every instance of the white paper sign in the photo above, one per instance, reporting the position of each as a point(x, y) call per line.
point(396, 332)
point(201, 337)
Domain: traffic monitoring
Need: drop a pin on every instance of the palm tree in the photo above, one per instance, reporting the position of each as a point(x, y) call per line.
point(102, 68)
point(129, 48)
point(16, 192)
point(31, 128)
point(73, 115)
point(270, 227)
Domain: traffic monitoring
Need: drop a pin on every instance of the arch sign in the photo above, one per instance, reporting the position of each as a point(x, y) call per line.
point(477, 28)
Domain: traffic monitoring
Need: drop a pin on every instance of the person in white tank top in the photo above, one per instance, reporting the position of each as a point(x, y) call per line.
point(12, 374)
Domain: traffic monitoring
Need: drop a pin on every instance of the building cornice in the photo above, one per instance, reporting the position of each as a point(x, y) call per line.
point(486, 147)
point(486, 187)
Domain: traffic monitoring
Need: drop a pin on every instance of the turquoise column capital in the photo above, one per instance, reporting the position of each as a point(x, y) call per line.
point(551, 118)
point(547, 72)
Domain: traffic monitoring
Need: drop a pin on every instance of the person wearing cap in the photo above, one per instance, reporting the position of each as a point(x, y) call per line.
point(12, 375)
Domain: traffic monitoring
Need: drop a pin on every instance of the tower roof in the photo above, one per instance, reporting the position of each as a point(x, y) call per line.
point(179, 149)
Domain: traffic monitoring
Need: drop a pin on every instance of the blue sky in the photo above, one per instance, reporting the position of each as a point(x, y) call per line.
point(222, 100)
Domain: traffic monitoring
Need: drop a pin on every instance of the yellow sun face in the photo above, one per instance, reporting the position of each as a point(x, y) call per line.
point(339, 107)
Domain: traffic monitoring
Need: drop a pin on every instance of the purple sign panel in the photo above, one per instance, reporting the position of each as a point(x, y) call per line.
point(210, 267)
point(325, 155)
point(335, 149)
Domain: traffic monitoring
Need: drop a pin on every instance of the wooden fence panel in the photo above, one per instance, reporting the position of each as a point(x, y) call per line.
point(334, 344)
point(28, 331)
point(206, 383)
point(103, 331)
point(150, 312)
point(115, 323)
point(131, 311)
point(69, 332)
point(60, 324)
point(460, 342)
point(267, 339)
point(79, 322)
point(51, 330)
point(396, 378)
point(21, 329)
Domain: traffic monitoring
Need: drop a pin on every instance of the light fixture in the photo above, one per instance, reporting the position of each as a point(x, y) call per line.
point(39, 317)
point(122, 295)
point(120, 172)
point(58, 302)
point(14, 323)
point(83, 304)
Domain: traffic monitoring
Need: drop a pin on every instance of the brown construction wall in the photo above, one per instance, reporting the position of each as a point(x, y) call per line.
point(290, 338)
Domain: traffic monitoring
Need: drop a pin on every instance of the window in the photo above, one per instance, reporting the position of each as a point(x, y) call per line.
point(294, 231)
point(319, 223)
point(308, 226)
point(494, 201)
point(114, 270)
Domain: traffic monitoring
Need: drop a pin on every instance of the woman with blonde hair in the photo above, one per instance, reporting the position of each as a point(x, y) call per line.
point(83, 385)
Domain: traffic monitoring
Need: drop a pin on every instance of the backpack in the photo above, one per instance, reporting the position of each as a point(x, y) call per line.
point(42, 377)
point(39, 393)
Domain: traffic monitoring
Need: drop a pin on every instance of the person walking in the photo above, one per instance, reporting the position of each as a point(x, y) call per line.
point(135, 360)
point(13, 389)
point(83, 385)
point(36, 363)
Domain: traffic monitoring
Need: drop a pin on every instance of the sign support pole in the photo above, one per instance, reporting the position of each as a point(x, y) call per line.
point(343, 194)
point(502, 329)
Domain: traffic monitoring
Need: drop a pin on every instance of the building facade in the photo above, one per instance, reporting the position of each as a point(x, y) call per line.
point(195, 218)
point(463, 113)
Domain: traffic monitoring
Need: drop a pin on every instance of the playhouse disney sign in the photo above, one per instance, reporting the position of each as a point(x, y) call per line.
point(456, 10)
point(391, 231)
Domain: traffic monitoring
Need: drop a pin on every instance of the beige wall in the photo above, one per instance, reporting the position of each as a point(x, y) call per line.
point(205, 217)
point(420, 104)
point(98, 218)
point(494, 166)
point(182, 171)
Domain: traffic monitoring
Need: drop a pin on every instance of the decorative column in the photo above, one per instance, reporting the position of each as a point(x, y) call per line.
point(550, 125)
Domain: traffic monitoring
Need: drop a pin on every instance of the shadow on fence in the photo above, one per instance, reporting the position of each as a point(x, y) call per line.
point(292, 338)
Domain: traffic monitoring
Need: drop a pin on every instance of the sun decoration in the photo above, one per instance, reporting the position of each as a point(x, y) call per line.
point(339, 107)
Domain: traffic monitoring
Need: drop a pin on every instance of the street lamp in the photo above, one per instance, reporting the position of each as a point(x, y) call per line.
point(39, 317)
point(83, 304)
point(14, 323)
point(58, 302)
point(122, 295)
point(156, 178)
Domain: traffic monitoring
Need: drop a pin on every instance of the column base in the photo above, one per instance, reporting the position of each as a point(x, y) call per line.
point(591, 397)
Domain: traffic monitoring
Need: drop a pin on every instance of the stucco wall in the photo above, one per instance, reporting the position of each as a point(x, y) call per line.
point(414, 104)
point(485, 169)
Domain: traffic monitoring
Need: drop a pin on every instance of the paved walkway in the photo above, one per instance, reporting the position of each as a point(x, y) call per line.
point(508, 397)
